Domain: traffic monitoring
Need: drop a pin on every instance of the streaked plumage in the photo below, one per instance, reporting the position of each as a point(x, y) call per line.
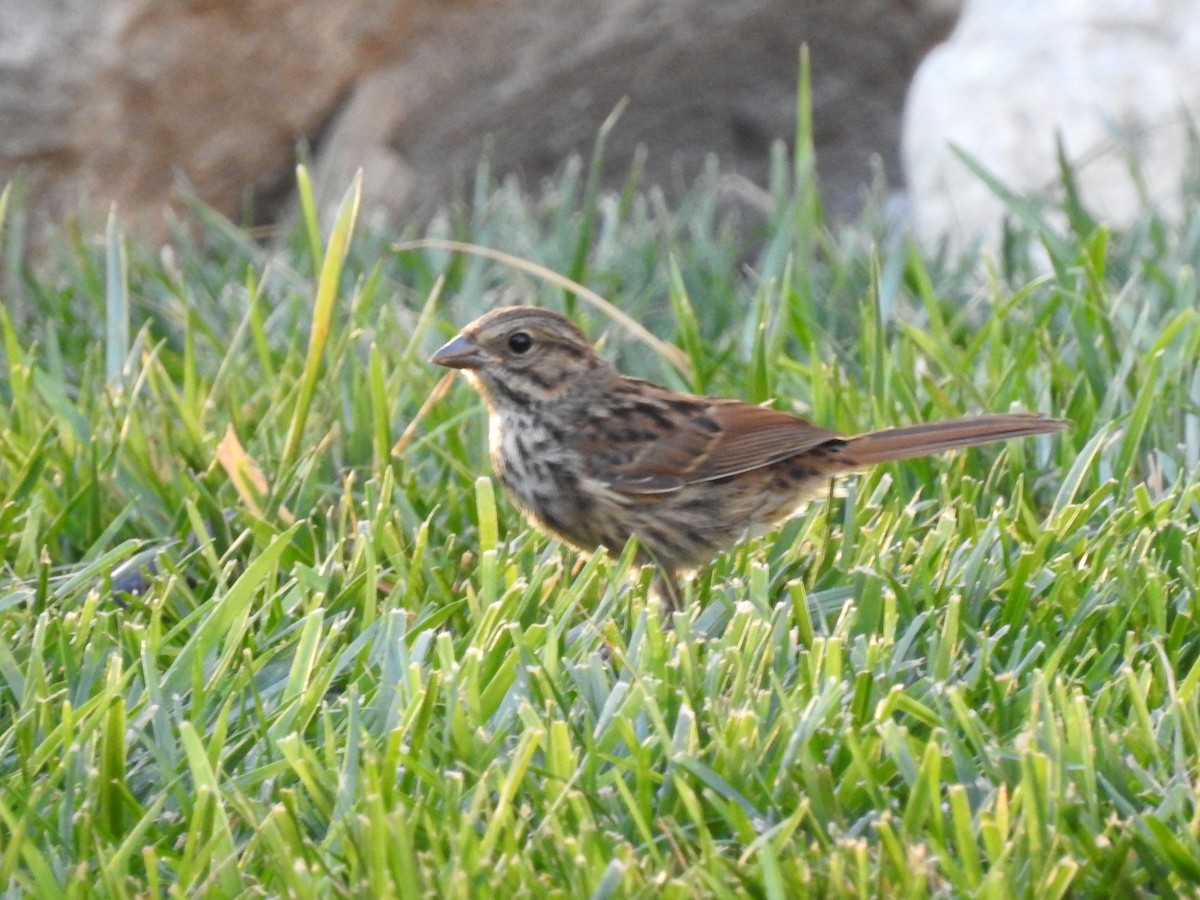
point(595, 457)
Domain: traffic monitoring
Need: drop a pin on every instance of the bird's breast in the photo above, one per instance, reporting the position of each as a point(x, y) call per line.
point(542, 474)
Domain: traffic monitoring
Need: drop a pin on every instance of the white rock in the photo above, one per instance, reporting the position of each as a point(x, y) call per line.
point(1116, 79)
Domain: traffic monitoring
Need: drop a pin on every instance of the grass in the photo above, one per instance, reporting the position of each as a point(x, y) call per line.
point(352, 672)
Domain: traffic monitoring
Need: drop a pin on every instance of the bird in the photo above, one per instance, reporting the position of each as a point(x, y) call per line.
point(594, 457)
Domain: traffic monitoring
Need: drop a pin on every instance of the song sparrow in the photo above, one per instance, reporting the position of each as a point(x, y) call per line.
point(595, 457)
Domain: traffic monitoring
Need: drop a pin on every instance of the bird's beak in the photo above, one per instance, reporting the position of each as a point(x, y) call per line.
point(461, 353)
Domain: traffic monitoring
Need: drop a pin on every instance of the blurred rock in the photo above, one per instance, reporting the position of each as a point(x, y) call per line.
point(1117, 80)
point(701, 79)
point(124, 100)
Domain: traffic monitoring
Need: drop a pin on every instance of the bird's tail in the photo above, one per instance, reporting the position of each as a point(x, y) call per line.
point(934, 437)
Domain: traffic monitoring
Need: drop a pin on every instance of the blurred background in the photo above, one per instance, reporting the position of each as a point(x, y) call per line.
point(140, 102)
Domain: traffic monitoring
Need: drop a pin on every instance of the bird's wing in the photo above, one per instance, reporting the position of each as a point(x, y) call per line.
point(656, 441)
point(755, 436)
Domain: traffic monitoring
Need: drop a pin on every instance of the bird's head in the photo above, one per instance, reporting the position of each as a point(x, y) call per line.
point(520, 355)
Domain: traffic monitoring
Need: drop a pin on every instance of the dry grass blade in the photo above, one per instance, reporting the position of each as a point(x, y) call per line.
point(671, 353)
point(246, 475)
point(439, 391)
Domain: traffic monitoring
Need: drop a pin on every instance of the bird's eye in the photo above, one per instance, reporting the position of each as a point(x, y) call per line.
point(519, 342)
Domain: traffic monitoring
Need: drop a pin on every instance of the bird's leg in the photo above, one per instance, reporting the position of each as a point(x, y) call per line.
point(667, 589)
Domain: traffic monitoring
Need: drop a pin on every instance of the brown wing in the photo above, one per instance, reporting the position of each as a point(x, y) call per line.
point(655, 441)
point(754, 436)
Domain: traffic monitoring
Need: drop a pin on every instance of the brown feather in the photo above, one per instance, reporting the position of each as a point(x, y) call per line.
point(755, 436)
point(934, 437)
point(722, 438)
point(714, 438)
point(625, 446)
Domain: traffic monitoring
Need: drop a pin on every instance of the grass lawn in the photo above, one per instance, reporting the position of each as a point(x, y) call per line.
point(352, 669)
